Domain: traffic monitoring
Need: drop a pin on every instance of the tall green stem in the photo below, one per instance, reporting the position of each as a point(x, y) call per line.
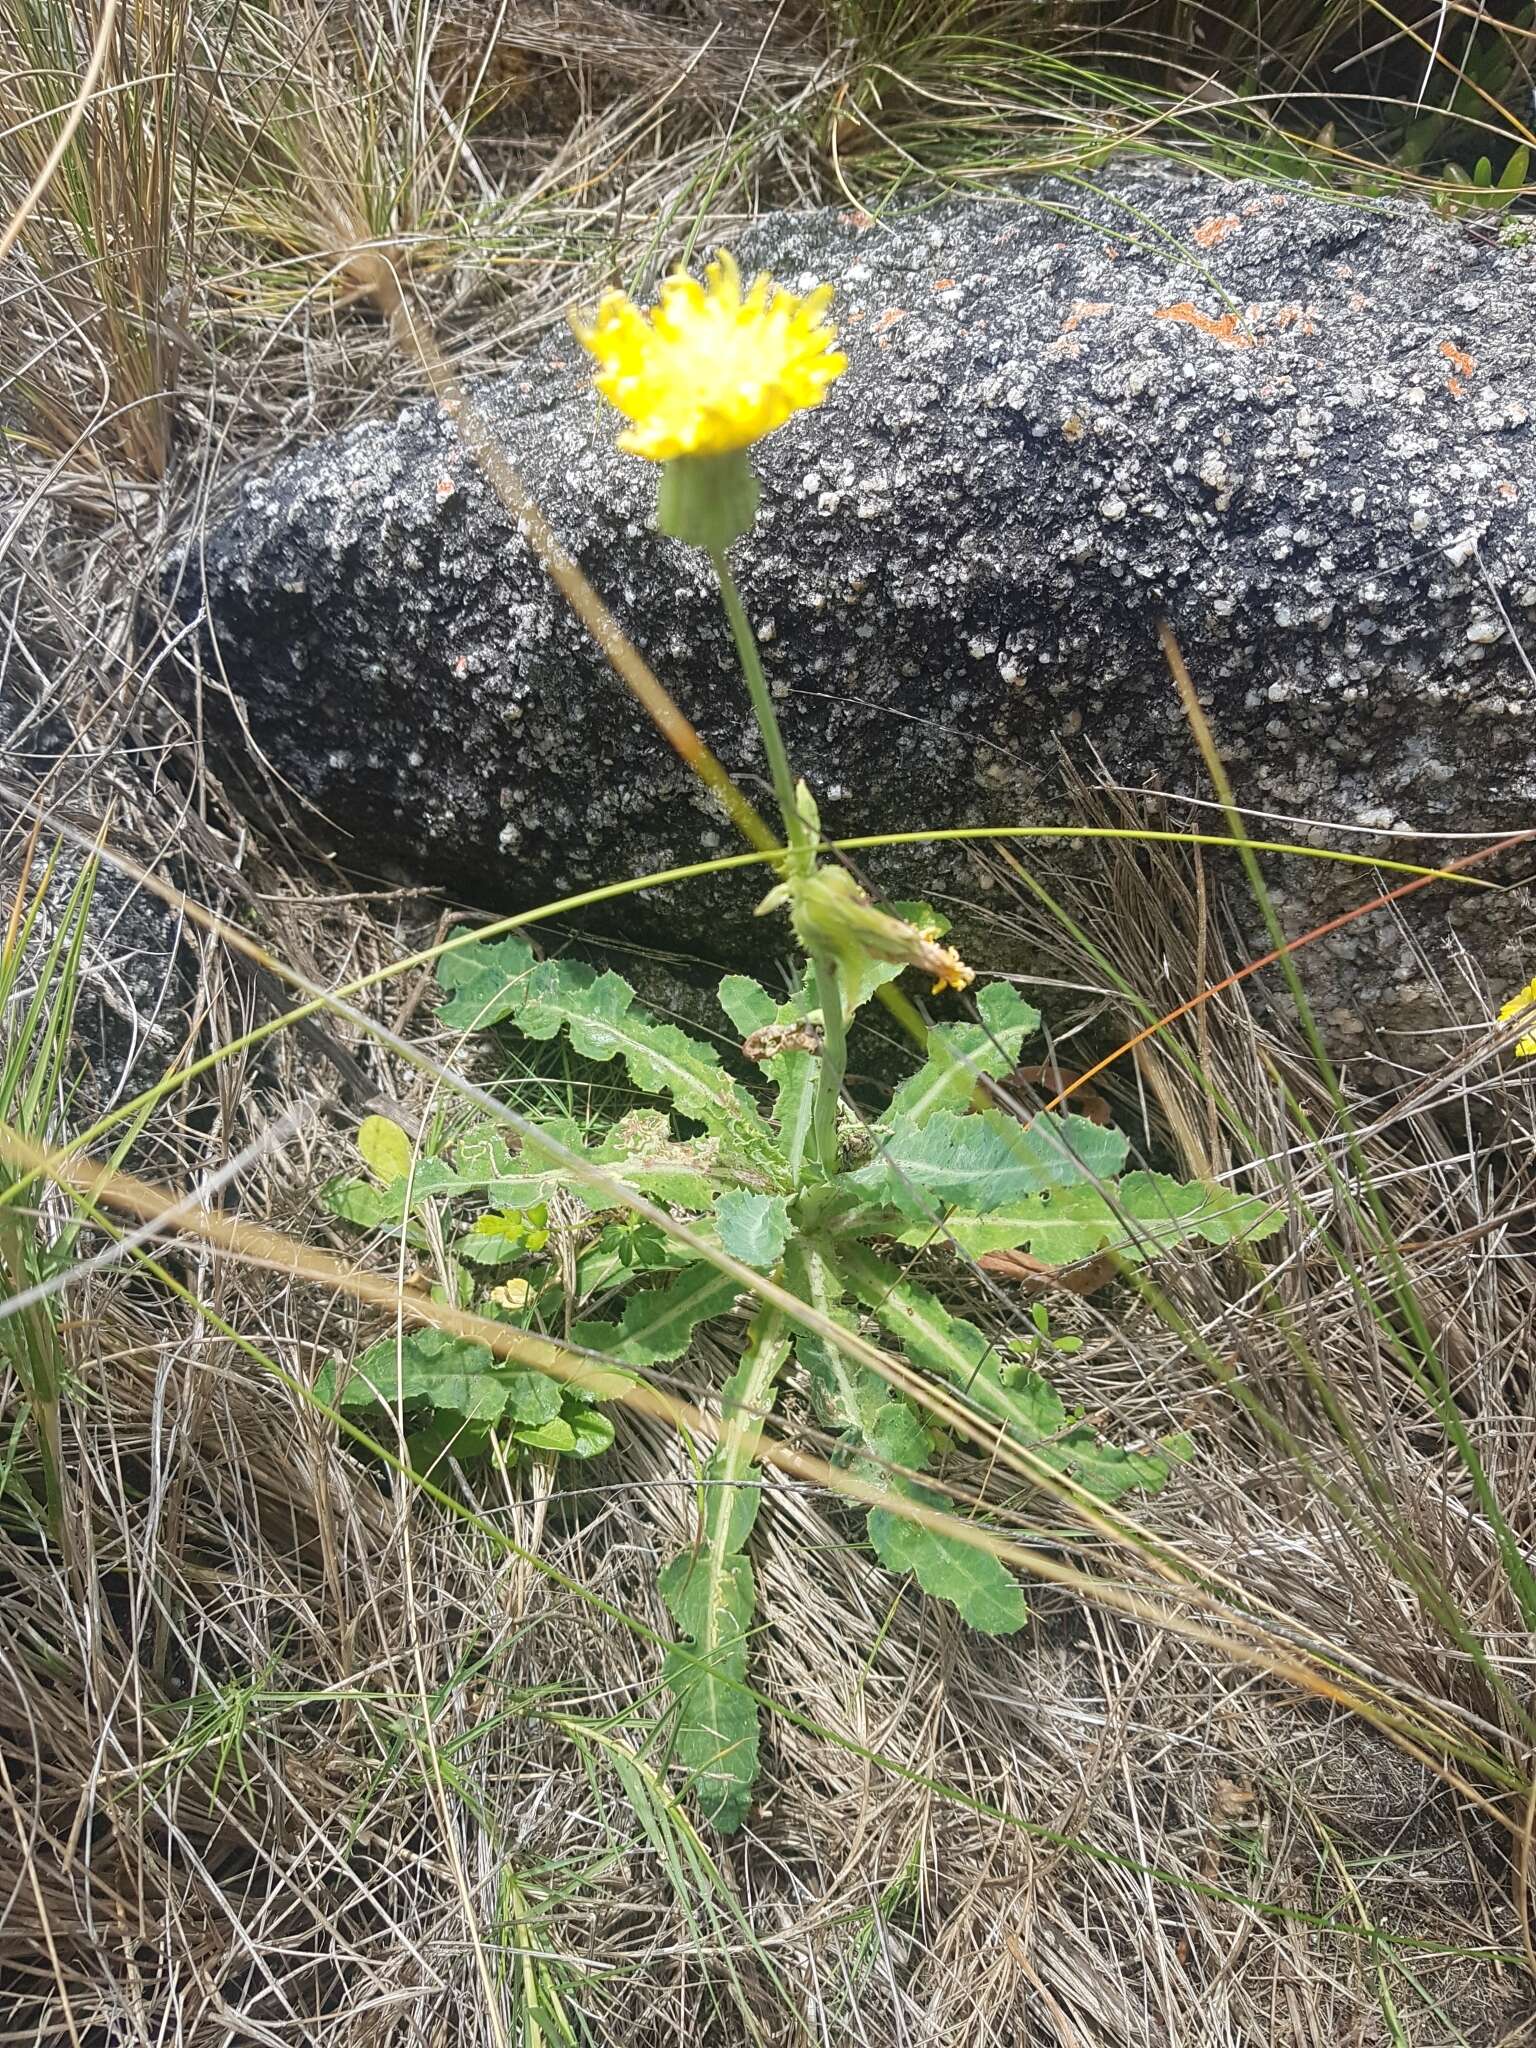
point(762, 704)
point(802, 859)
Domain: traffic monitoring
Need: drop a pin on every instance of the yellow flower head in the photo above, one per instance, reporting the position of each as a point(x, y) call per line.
point(1523, 1007)
point(711, 371)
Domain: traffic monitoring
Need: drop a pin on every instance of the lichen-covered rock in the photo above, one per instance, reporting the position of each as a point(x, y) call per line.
point(1299, 430)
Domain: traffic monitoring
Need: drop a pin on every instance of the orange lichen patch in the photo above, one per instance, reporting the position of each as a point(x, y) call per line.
point(858, 219)
point(888, 319)
point(1216, 229)
point(1225, 330)
point(1455, 386)
point(1085, 309)
point(1507, 491)
point(1458, 358)
point(943, 284)
point(1289, 316)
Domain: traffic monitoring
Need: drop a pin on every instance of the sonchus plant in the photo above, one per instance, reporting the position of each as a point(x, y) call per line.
point(860, 1223)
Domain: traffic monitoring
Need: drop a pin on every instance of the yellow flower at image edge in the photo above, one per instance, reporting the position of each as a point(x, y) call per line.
point(1523, 1008)
point(711, 370)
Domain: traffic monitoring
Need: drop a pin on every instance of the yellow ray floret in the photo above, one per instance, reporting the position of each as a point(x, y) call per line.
point(711, 370)
point(1523, 1007)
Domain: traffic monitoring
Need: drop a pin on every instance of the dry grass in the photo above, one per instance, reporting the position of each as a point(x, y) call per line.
point(289, 1752)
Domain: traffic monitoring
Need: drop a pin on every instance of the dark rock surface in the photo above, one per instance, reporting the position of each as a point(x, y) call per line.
point(1302, 430)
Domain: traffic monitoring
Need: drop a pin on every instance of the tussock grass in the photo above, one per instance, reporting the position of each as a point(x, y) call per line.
point(292, 1750)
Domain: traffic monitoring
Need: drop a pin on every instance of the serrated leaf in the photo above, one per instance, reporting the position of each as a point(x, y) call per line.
point(598, 1013)
point(1146, 1215)
point(752, 1227)
point(731, 1494)
point(977, 1585)
point(896, 1435)
point(656, 1325)
point(1014, 1394)
point(641, 1150)
point(1026, 1406)
point(847, 1395)
point(712, 1595)
point(386, 1150)
point(959, 1054)
point(981, 1161)
point(716, 1736)
point(484, 983)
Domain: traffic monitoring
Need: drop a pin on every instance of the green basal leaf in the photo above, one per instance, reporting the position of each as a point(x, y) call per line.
point(1144, 1216)
point(753, 1228)
point(554, 1435)
point(484, 983)
point(981, 1161)
point(591, 1429)
point(712, 1596)
point(1012, 1393)
point(848, 1396)
point(959, 1054)
point(716, 1738)
point(656, 1325)
point(748, 1004)
point(598, 1013)
point(641, 1150)
point(977, 1585)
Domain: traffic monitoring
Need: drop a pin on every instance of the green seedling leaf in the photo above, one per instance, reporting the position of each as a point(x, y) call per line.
point(978, 1162)
point(386, 1150)
point(504, 1235)
point(484, 983)
point(959, 1054)
point(656, 1325)
point(360, 1202)
point(753, 1228)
